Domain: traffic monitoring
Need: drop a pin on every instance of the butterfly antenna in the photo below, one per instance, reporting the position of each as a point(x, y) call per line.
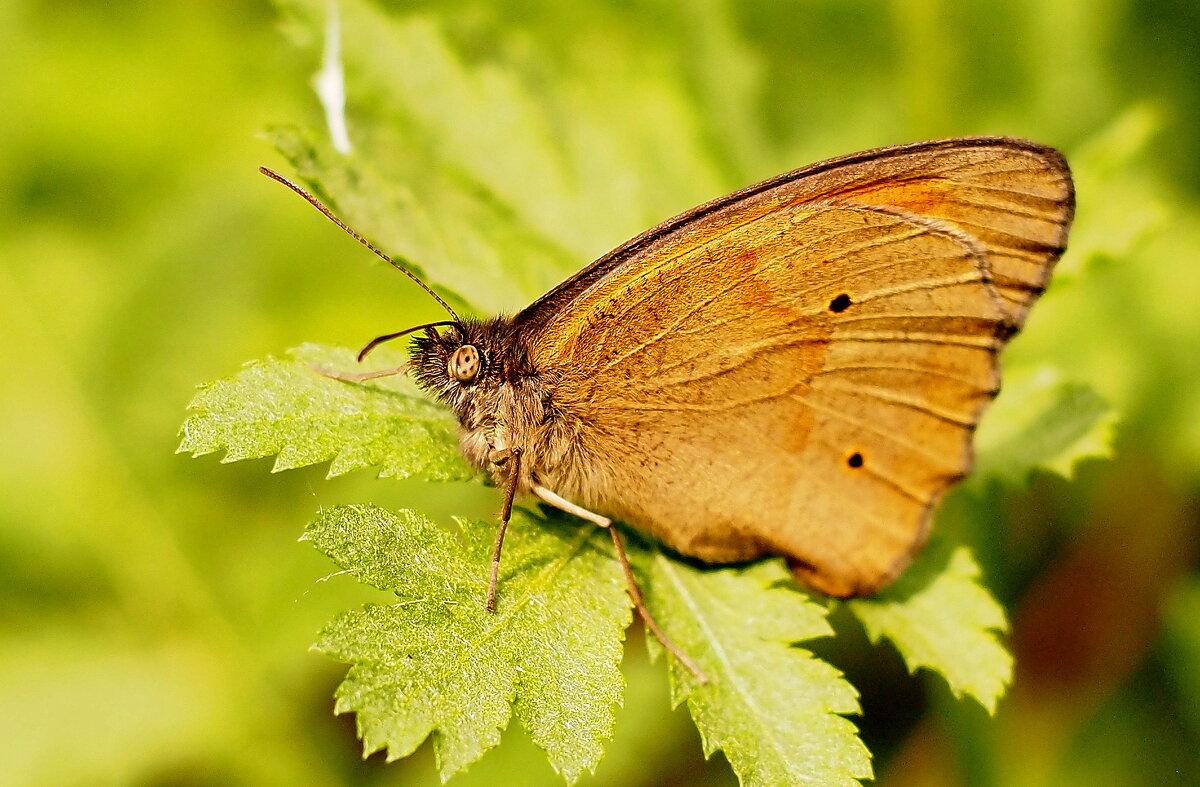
point(316, 203)
point(387, 337)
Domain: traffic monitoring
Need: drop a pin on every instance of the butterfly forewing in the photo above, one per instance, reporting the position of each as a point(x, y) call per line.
point(797, 368)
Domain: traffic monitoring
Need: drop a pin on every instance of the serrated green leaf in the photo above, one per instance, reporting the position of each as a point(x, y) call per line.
point(1043, 422)
point(435, 188)
point(401, 67)
point(286, 408)
point(775, 710)
point(501, 211)
point(940, 617)
point(451, 234)
point(437, 662)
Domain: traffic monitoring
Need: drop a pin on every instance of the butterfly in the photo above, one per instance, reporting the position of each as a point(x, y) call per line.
point(793, 369)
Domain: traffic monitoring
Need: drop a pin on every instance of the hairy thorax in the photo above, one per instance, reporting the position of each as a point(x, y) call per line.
point(520, 417)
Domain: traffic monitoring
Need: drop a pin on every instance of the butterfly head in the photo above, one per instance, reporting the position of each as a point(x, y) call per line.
point(463, 361)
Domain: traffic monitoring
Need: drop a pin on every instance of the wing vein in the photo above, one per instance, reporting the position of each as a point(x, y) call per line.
point(830, 370)
point(988, 342)
point(890, 397)
point(866, 426)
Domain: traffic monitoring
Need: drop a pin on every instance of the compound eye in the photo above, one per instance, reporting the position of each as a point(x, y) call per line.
point(464, 363)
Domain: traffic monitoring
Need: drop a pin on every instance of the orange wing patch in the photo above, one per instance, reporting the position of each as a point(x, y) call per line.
point(922, 196)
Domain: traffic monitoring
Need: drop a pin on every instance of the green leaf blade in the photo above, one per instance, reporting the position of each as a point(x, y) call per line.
point(436, 663)
point(1043, 422)
point(775, 710)
point(287, 409)
point(485, 259)
point(941, 618)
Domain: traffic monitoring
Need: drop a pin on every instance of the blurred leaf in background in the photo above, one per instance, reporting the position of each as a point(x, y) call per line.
point(161, 606)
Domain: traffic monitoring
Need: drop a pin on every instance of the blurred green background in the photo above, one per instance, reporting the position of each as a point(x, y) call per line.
point(155, 610)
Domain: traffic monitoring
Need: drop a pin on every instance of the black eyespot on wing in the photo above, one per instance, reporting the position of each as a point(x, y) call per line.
point(855, 460)
point(840, 303)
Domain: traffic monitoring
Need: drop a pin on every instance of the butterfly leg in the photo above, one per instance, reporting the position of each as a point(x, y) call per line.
point(514, 475)
point(635, 593)
point(562, 504)
point(360, 377)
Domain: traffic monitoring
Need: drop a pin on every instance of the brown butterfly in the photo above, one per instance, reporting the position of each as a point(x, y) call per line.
point(793, 369)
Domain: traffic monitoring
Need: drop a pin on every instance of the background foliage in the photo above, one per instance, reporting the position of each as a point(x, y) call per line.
point(155, 611)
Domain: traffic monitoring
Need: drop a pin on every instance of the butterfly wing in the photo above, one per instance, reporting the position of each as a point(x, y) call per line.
point(797, 368)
